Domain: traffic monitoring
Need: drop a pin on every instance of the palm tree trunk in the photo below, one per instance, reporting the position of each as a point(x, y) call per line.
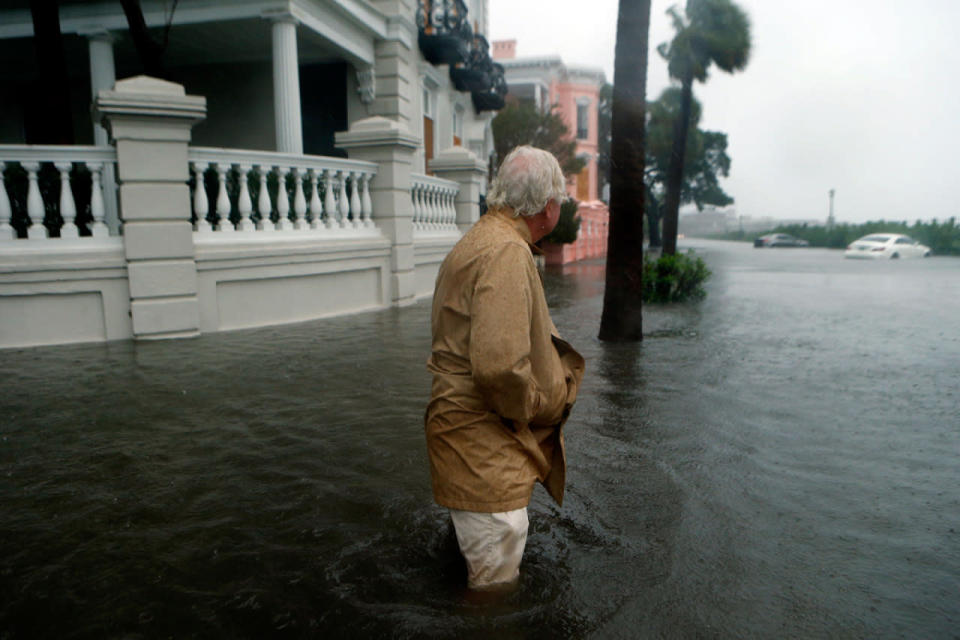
point(671, 206)
point(150, 53)
point(50, 106)
point(622, 319)
point(653, 221)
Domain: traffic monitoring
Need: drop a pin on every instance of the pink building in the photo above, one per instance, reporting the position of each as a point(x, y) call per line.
point(575, 91)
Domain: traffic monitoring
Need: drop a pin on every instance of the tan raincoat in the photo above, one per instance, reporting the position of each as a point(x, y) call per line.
point(503, 380)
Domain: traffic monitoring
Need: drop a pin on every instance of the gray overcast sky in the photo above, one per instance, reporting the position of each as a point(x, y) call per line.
point(857, 95)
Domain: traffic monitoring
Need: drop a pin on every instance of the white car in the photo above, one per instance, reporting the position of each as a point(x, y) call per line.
point(886, 245)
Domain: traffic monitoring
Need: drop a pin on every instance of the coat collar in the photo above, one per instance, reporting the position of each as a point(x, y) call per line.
point(518, 224)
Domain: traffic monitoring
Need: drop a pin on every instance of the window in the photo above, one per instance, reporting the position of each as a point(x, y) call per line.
point(583, 119)
point(427, 129)
point(583, 182)
point(427, 103)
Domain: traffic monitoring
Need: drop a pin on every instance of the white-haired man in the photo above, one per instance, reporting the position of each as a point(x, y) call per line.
point(503, 380)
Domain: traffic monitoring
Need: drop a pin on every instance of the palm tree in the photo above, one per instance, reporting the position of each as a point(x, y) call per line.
point(621, 319)
point(713, 32)
point(705, 162)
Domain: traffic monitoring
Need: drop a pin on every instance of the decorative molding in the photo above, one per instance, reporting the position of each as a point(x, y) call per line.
point(376, 131)
point(367, 84)
point(97, 32)
point(432, 78)
point(402, 29)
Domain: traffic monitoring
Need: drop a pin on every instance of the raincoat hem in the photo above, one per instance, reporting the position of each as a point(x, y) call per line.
point(485, 507)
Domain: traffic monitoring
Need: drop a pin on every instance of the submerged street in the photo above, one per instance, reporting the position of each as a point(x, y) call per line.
point(778, 460)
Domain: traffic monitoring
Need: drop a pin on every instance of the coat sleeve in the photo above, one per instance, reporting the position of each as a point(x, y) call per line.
point(501, 315)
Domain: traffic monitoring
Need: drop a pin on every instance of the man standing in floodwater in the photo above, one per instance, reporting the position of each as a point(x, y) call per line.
point(503, 380)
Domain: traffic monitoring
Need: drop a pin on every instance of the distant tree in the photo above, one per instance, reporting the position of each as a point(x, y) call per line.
point(705, 162)
point(622, 318)
point(522, 123)
point(712, 32)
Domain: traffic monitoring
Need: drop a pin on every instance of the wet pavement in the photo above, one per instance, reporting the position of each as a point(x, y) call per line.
point(776, 461)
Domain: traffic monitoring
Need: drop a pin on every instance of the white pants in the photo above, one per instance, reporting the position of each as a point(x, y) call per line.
point(492, 544)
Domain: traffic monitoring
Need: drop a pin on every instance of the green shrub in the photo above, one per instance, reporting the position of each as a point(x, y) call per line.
point(674, 278)
point(568, 226)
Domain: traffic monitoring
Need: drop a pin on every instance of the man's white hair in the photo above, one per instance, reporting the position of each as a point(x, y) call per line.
point(527, 180)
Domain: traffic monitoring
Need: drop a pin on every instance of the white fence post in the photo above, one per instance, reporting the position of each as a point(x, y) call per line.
point(391, 145)
point(462, 166)
point(150, 120)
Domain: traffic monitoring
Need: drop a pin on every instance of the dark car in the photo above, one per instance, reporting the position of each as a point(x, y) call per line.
point(779, 240)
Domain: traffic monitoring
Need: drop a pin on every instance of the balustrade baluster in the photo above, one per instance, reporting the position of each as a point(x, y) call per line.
point(263, 200)
point(68, 207)
point(452, 215)
point(434, 209)
point(421, 208)
point(99, 228)
point(444, 209)
point(453, 211)
point(244, 203)
point(355, 206)
point(425, 200)
point(223, 200)
point(441, 192)
point(316, 207)
point(366, 202)
point(201, 206)
point(442, 199)
point(343, 205)
point(424, 207)
point(283, 200)
point(299, 201)
point(6, 213)
point(417, 209)
point(35, 210)
point(425, 196)
point(329, 204)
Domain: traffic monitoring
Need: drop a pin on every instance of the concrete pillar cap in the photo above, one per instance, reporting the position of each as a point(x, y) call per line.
point(457, 159)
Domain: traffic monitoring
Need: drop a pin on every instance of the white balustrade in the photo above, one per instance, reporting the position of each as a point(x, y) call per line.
point(434, 205)
point(29, 190)
point(324, 195)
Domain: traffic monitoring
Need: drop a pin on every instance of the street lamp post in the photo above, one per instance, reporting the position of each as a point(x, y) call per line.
point(830, 220)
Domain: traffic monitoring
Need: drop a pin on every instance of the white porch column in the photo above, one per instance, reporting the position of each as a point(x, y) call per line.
point(103, 75)
point(286, 86)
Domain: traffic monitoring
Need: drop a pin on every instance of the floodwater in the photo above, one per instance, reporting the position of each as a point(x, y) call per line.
point(780, 460)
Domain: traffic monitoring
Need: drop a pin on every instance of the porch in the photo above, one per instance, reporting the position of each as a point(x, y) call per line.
point(210, 239)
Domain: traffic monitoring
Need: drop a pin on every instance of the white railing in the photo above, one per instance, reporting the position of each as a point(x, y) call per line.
point(53, 191)
point(434, 209)
point(241, 192)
